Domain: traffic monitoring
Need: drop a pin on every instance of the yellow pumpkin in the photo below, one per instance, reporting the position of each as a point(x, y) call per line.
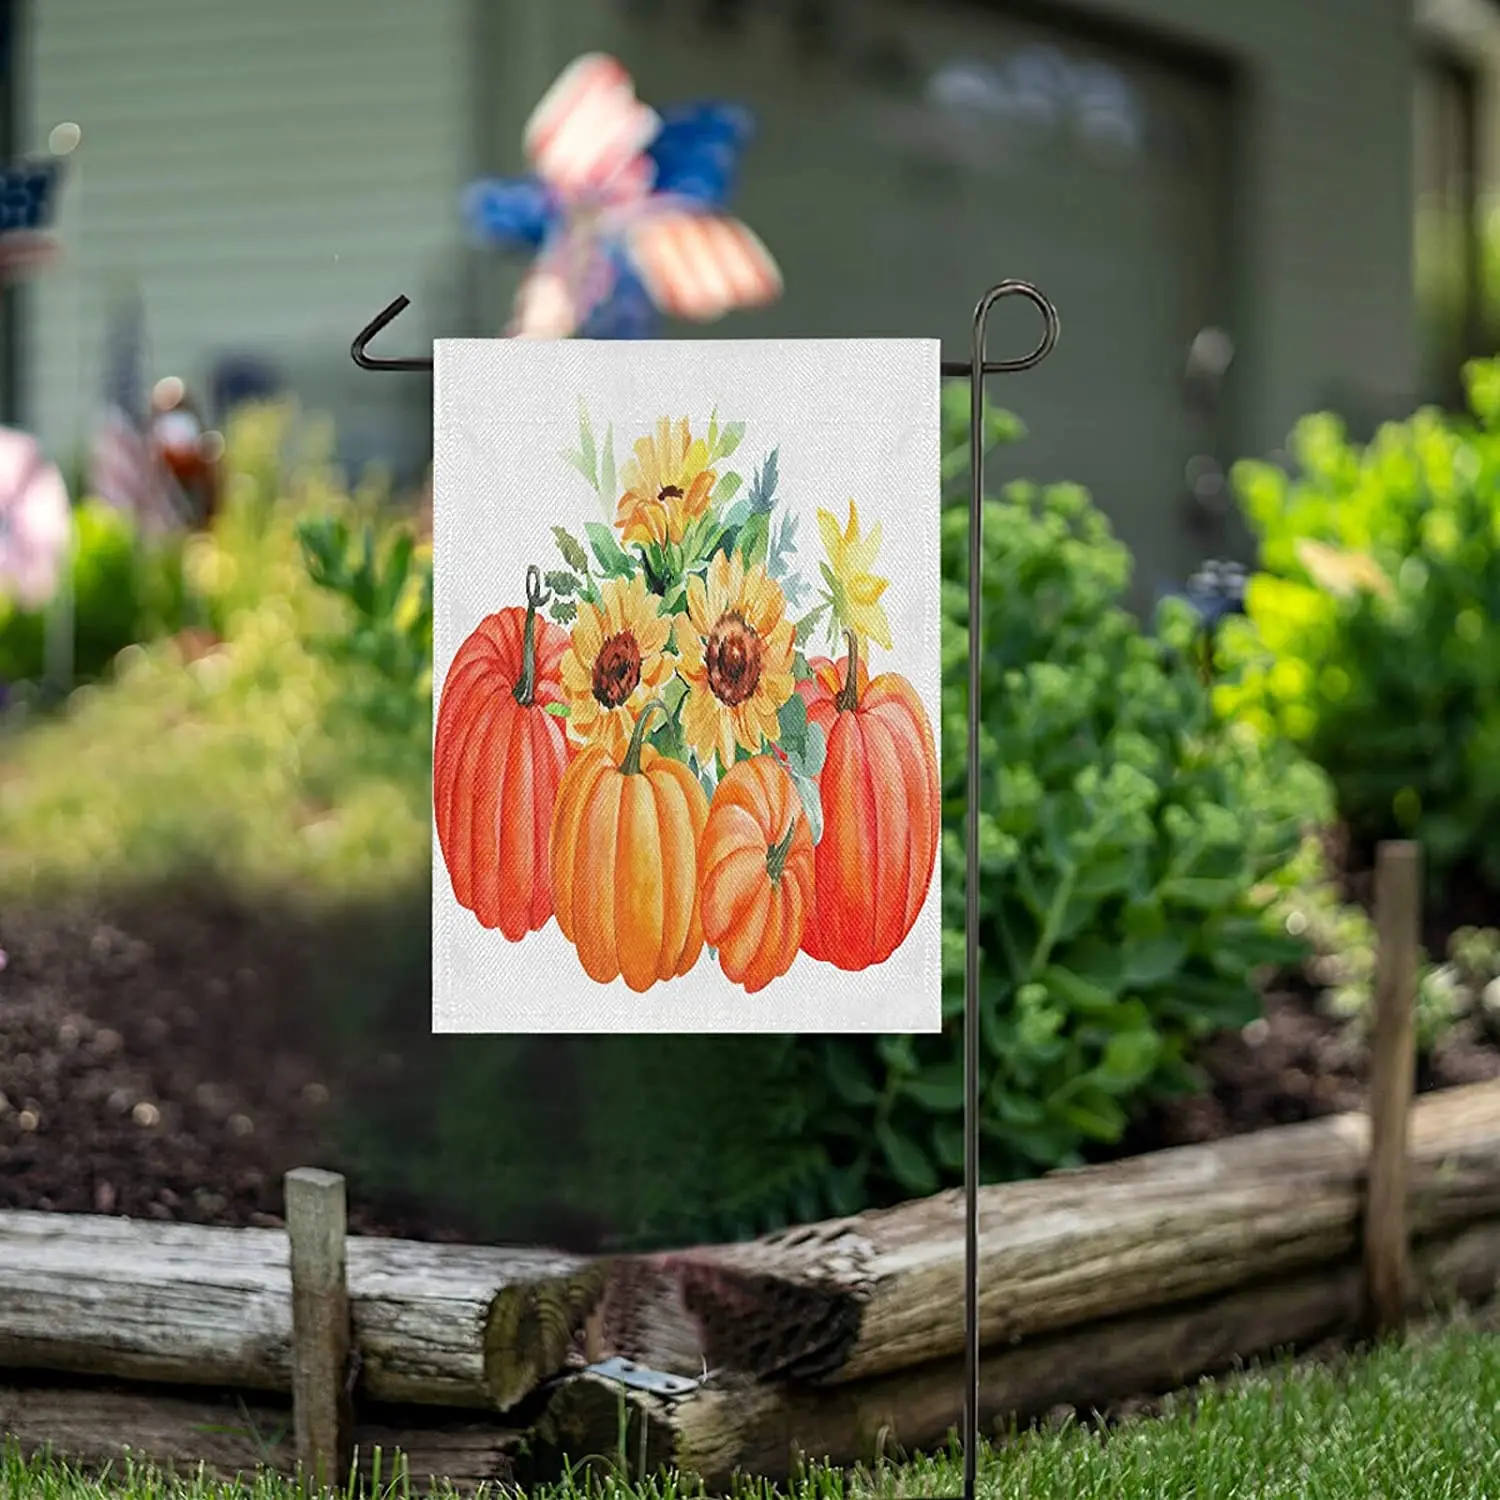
point(624, 855)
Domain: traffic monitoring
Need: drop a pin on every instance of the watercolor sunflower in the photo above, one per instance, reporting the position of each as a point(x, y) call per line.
point(668, 485)
point(617, 660)
point(854, 591)
point(736, 648)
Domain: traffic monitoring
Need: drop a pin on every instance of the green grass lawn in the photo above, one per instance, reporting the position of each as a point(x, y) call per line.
point(1420, 1421)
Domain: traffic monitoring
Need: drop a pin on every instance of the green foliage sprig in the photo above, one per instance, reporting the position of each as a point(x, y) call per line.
point(1371, 636)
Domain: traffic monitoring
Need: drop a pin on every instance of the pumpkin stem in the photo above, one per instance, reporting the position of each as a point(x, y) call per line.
point(524, 691)
point(776, 855)
point(631, 765)
point(847, 698)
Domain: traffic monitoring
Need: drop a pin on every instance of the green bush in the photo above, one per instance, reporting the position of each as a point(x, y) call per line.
point(247, 760)
point(1128, 847)
point(1371, 634)
point(125, 589)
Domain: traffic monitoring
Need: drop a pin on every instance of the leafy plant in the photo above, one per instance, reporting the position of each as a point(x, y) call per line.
point(125, 588)
point(1370, 637)
point(386, 584)
point(1341, 938)
point(1128, 847)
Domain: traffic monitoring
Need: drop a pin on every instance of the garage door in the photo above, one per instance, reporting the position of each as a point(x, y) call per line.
point(922, 152)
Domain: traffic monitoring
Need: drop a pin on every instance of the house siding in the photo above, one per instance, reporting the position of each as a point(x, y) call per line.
point(1324, 220)
point(267, 175)
point(1324, 307)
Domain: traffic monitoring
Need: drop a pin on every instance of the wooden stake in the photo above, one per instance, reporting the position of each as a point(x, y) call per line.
point(317, 1222)
point(1398, 906)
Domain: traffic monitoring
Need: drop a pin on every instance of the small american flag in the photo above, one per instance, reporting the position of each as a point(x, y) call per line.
point(28, 197)
point(125, 464)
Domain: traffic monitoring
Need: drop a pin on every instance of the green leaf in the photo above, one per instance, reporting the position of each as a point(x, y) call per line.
point(1076, 992)
point(847, 1074)
point(1129, 1059)
point(1098, 1119)
point(812, 803)
point(1201, 893)
point(727, 488)
point(948, 1144)
point(940, 1088)
point(557, 710)
point(613, 562)
point(1153, 961)
point(607, 470)
point(579, 462)
point(589, 462)
point(908, 1162)
point(571, 549)
point(809, 622)
point(815, 750)
point(564, 611)
point(562, 583)
point(754, 538)
point(792, 717)
point(729, 439)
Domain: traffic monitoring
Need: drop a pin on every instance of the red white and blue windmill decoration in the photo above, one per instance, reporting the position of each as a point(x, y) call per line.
point(623, 210)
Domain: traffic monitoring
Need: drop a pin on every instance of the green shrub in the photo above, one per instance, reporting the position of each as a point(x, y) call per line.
point(1128, 845)
point(125, 588)
point(245, 760)
point(1371, 634)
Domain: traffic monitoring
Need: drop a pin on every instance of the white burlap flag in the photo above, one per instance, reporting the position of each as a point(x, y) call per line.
point(662, 801)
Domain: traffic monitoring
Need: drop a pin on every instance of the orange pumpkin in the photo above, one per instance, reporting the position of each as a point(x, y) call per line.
point(882, 812)
point(625, 861)
point(756, 858)
point(497, 758)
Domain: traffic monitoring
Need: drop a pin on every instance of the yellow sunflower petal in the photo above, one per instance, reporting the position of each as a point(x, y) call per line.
point(860, 557)
point(700, 720)
point(833, 541)
point(588, 633)
point(577, 678)
point(697, 606)
point(779, 647)
point(726, 735)
point(724, 578)
point(776, 688)
point(870, 620)
point(761, 601)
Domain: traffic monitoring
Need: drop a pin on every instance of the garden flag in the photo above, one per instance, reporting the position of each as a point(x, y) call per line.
point(686, 677)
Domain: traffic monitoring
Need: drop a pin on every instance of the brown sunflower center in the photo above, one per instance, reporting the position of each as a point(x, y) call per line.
point(617, 669)
point(669, 492)
point(733, 656)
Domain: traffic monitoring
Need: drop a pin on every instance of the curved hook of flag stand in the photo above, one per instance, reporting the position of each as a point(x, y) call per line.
point(974, 369)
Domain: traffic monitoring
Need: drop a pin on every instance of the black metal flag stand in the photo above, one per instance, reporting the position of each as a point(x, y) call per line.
point(975, 370)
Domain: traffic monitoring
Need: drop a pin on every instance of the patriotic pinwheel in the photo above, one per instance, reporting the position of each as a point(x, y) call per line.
point(623, 211)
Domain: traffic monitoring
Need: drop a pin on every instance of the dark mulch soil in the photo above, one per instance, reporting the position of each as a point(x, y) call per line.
point(168, 1064)
point(1292, 1064)
point(165, 1064)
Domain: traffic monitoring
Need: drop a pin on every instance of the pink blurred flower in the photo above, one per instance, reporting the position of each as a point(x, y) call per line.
point(35, 521)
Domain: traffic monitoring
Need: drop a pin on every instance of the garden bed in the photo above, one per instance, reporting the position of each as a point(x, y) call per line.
point(171, 1062)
